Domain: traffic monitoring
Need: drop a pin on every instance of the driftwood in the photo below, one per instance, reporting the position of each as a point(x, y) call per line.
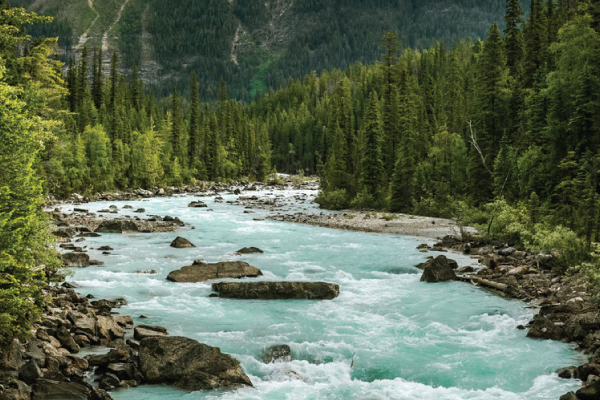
point(499, 286)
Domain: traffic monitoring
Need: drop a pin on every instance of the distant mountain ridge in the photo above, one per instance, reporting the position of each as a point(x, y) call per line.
point(253, 44)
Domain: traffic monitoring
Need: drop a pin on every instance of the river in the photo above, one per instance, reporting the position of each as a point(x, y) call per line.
point(387, 336)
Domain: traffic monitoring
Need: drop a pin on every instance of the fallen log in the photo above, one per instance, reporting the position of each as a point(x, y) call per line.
point(495, 285)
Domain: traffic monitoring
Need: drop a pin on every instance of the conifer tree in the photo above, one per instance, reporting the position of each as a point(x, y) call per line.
point(372, 168)
point(177, 128)
point(194, 133)
point(514, 37)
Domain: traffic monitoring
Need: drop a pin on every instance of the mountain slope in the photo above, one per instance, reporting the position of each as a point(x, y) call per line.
point(255, 44)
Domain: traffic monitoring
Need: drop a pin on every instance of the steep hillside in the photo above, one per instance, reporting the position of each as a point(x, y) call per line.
point(254, 44)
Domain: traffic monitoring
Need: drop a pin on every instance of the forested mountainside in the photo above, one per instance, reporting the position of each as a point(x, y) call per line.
point(253, 44)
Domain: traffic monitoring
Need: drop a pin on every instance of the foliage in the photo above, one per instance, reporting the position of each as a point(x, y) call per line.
point(335, 200)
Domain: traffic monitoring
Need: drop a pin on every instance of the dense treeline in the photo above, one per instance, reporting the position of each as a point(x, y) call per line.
point(116, 136)
point(513, 120)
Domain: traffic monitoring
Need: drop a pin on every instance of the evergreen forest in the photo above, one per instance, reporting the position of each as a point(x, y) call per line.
point(503, 132)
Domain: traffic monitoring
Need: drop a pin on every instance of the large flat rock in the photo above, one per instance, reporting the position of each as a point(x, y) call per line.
point(204, 272)
point(189, 365)
point(277, 290)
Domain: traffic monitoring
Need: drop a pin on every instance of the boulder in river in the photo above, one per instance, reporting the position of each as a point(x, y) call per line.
point(249, 250)
point(200, 272)
point(189, 365)
point(277, 290)
point(280, 352)
point(181, 243)
point(76, 260)
point(589, 392)
point(440, 269)
point(197, 204)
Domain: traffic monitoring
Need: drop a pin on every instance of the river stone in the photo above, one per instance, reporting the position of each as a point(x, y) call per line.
point(280, 352)
point(440, 269)
point(109, 382)
point(277, 290)
point(181, 243)
point(117, 226)
point(11, 358)
point(113, 356)
point(197, 204)
point(568, 373)
point(569, 396)
point(45, 389)
point(143, 331)
point(189, 365)
point(205, 272)
point(76, 260)
point(30, 372)
point(590, 392)
point(249, 250)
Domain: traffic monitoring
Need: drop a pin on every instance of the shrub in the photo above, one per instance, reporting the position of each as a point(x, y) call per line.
point(334, 200)
point(363, 199)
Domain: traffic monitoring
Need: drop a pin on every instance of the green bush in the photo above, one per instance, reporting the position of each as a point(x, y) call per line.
point(335, 200)
point(363, 199)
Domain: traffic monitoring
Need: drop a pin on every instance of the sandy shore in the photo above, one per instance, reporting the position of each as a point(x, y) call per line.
point(393, 224)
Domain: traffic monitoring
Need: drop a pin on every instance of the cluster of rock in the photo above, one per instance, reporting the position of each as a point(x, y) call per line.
point(46, 366)
point(235, 187)
point(264, 290)
point(271, 202)
point(567, 310)
point(81, 224)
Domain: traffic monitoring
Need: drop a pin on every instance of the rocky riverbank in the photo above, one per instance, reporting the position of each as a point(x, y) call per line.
point(48, 364)
point(377, 222)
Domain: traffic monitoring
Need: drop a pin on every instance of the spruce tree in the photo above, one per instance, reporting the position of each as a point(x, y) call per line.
point(194, 133)
point(372, 168)
point(514, 36)
point(177, 127)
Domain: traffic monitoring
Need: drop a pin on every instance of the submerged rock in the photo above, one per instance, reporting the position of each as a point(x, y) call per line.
point(189, 365)
point(440, 269)
point(200, 272)
point(280, 352)
point(181, 243)
point(249, 250)
point(277, 290)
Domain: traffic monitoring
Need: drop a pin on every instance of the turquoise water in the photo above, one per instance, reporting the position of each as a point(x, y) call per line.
point(407, 339)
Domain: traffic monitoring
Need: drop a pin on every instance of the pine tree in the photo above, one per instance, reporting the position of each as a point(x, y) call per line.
point(98, 79)
point(490, 116)
point(514, 37)
point(372, 168)
point(194, 133)
point(177, 128)
point(391, 45)
point(534, 38)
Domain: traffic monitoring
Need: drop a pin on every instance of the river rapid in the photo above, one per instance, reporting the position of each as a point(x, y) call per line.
point(387, 336)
